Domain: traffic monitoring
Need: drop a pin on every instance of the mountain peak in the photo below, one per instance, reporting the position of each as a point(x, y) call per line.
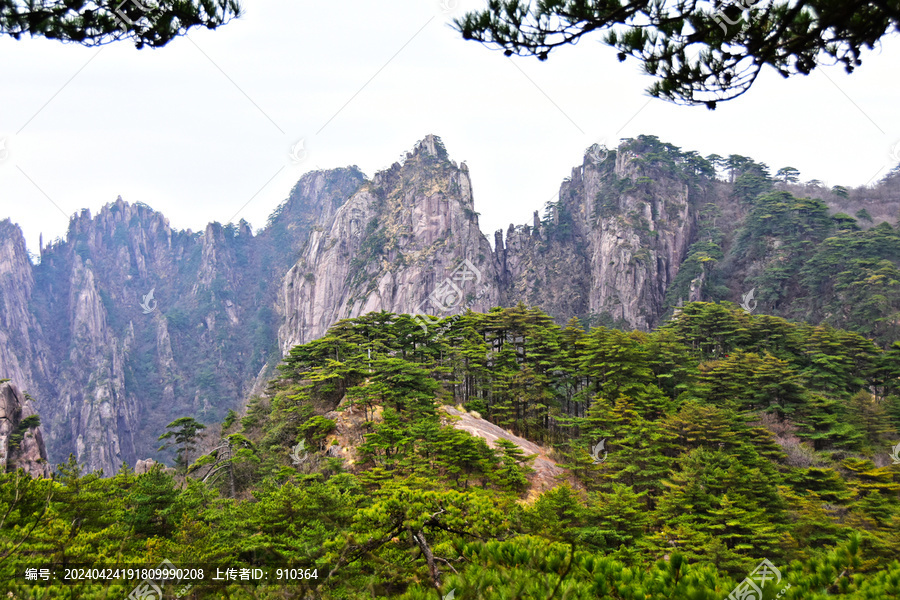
point(430, 145)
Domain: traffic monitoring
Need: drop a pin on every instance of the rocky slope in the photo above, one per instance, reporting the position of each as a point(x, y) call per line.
point(128, 324)
point(350, 431)
point(547, 473)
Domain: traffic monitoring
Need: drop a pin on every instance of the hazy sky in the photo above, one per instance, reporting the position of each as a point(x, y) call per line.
point(202, 130)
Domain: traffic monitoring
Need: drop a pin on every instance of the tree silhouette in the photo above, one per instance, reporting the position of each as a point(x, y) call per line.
point(152, 23)
point(184, 431)
point(700, 52)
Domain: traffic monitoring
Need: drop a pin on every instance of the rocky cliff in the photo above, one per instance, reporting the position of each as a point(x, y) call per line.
point(21, 440)
point(396, 244)
point(128, 324)
point(131, 322)
point(612, 244)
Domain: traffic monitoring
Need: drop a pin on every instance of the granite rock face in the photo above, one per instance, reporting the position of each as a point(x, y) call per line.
point(144, 466)
point(128, 324)
point(400, 243)
point(605, 248)
point(21, 440)
point(547, 473)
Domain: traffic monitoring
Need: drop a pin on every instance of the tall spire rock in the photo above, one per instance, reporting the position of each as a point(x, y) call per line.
point(24, 352)
point(394, 245)
point(610, 246)
point(21, 440)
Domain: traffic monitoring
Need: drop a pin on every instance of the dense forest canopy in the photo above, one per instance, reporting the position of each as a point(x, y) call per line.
point(729, 438)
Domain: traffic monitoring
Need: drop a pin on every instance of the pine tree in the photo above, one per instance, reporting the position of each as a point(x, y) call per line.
point(697, 425)
point(671, 361)
point(152, 504)
point(617, 518)
point(870, 418)
point(184, 431)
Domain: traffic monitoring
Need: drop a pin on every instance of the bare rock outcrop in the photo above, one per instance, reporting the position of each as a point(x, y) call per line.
point(21, 440)
point(547, 474)
point(350, 432)
point(144, 466)
point(407, 242)
point(608, 249)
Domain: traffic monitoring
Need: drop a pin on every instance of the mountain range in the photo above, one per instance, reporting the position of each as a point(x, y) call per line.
point(128, 324)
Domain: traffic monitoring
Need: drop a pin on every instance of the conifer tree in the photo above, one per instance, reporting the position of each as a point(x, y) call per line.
point(182, 433)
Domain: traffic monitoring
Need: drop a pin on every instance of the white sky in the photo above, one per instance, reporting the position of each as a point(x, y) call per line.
point(202, 129)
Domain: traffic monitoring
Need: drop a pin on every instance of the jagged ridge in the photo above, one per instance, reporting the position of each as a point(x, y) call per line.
point(112, 366)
